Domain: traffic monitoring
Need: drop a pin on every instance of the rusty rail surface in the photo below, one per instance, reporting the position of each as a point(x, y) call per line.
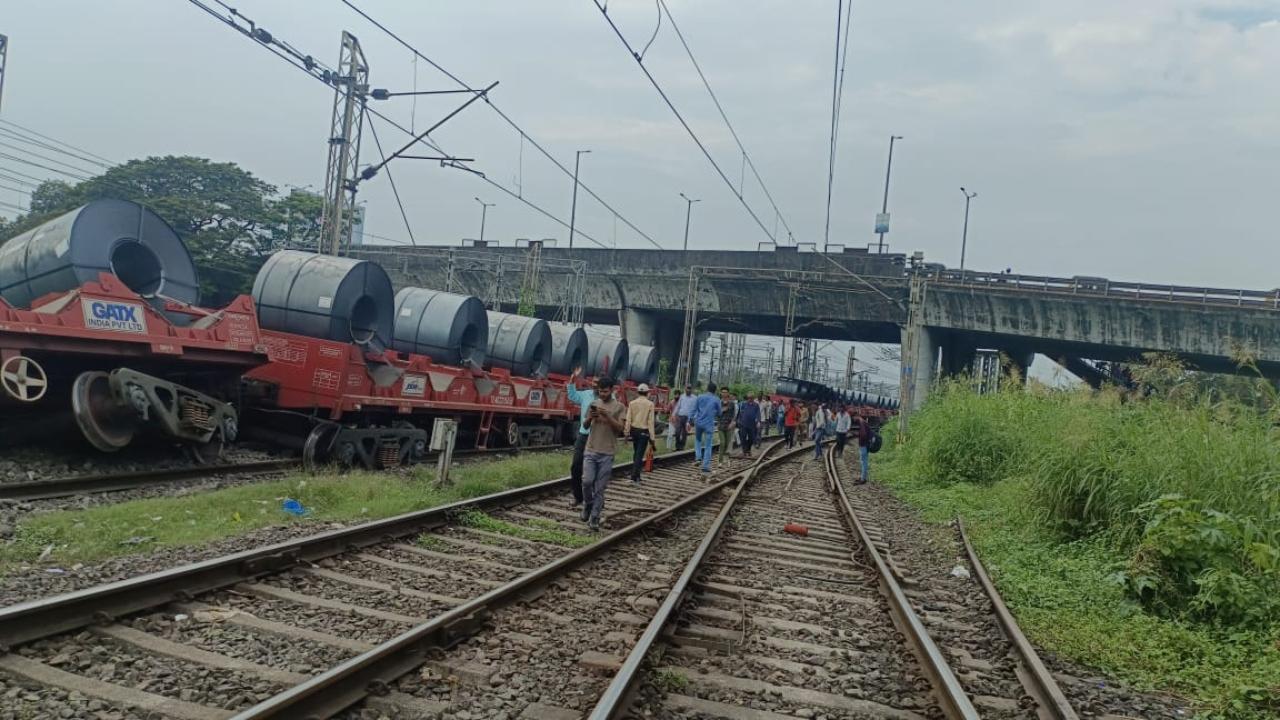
point(1036, 678)
point(35, 619)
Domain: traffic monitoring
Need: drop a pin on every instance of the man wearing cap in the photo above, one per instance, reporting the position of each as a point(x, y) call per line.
point(684, 415)
point(639, 427)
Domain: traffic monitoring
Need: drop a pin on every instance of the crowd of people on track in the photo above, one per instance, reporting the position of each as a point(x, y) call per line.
point(709, 414)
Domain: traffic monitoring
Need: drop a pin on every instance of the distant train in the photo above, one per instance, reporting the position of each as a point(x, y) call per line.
point(809, 391)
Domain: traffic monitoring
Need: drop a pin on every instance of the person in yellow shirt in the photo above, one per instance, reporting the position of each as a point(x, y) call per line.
point(639, 427)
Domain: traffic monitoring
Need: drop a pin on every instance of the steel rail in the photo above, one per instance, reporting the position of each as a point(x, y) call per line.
point(953, 700)
point(1036, 679)
point(616, 698)
point(114, 482)
point(111, 482)
point(35, 619)
point(344, 685)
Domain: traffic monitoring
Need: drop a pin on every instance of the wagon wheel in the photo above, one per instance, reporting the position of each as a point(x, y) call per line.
point(513, 434)
point(206, 453)
point(319, 443)
point(23, 379)
point(105, 423)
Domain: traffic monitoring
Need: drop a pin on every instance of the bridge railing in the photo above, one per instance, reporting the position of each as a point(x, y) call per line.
point(1102, 287)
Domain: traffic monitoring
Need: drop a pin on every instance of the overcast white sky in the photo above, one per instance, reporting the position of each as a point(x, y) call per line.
point(1129, 139)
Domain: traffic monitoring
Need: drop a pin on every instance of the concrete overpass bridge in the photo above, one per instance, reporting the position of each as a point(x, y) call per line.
point(940, 317)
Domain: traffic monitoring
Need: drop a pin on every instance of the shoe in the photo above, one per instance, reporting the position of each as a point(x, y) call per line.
point(594, 525)
point(635, 481)
point(586, 514)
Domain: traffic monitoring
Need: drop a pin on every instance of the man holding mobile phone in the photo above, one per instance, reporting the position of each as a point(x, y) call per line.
point(605, 420)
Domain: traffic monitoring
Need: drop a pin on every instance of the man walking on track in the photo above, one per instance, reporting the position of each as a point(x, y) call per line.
point(684, 415)
point(583, 399)
point(843, 423)
point(605, 419)
point(821, 416)
point(705, 413)
point(728, 411)
point(863, 428)
point(639, 427)
point(748, 423)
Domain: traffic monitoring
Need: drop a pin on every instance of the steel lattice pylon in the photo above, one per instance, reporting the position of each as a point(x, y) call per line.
point(350, 85)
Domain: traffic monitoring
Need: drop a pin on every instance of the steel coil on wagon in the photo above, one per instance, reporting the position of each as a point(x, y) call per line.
point(642, 364)
point(119, 237)
point(568, 347)
point(451, 329)
point(519, 344)
point(608, 355)
point(326, 297)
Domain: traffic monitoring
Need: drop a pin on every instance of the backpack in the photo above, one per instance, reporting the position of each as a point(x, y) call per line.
point(874, 442)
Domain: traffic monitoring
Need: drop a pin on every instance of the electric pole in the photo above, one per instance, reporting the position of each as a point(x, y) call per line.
point(484, 210)
point(964, 237)
point(882, 220)
point(573, 211)
point(687, 212)
point(350, 85)
point(4, 53)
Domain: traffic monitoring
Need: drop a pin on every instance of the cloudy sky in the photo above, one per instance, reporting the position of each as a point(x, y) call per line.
point(1129, 139)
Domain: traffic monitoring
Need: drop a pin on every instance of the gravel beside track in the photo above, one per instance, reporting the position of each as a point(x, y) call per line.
point(228, 649)
point(784, 625)
point(960, 617)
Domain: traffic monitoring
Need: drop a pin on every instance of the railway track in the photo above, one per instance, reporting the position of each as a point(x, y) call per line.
point(116, 482)
point(216, 636)
point(691, 603)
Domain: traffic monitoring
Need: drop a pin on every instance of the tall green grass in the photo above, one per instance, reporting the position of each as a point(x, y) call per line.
point(1139, 535)
point(1188, 488)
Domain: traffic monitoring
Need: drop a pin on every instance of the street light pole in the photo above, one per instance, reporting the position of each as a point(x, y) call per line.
point(884, 207)
point(484, 210)
point(964, 238)
point(573, 212)
point(688, 210)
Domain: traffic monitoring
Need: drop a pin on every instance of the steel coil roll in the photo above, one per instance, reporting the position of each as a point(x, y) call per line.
point(642, 364)
point(519, 344)
point(451, 329)
point(568, 347)
point(115, 236)
point(607, 355)
point(327, 297)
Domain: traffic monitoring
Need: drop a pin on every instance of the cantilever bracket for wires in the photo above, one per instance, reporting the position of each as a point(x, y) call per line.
point(373, 169)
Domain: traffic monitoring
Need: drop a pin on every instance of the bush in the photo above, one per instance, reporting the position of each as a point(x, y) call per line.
point(1188, 490)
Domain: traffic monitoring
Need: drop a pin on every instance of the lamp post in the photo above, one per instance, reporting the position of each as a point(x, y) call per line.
point(884, 206)
point(964, 237)
point(688, 210)
point(573, 212)
point(484, 210)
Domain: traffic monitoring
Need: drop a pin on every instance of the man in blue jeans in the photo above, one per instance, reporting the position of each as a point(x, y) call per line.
point(705, 413)
point(864, 439)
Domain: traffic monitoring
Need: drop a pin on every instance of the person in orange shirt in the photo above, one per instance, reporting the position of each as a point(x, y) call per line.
point(790, 421)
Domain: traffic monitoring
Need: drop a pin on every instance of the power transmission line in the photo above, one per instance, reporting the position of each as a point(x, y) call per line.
point(524, 135)
point(4, 175)
point(308, 65)
point(54, 140)
point(17, 190)
point(656, 86)
point(46, 158)
point(24, 161)
point(19, 137)
point(746, 156)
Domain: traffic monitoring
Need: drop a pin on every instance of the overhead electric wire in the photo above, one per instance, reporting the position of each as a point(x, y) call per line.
point(19, 137)
point(11, 206)
point(732, 131)
point(563, 168)
point(299, 64)
point(55, 140)
point(835, 112)
point(17, 190)
point(4, 175)
point(24, 161)
point(656, 86)
point(46, 158)
point(392, 180)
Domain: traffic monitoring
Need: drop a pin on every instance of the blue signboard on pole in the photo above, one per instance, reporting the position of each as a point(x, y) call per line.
point(882, 223)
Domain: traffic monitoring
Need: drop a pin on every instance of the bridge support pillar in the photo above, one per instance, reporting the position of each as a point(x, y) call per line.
point(918, 367)
point(650, 327)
